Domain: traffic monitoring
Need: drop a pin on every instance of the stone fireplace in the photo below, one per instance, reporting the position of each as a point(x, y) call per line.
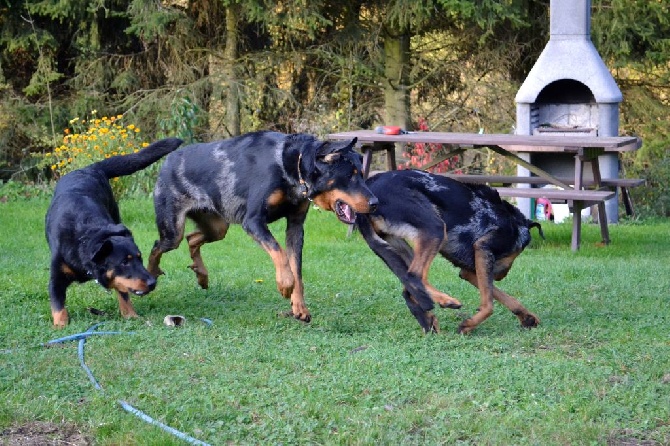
point(568, 91)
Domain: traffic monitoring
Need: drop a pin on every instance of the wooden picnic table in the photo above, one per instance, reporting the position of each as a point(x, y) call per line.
point(586, 148)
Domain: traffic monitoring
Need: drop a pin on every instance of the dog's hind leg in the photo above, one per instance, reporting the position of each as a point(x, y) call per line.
point(170, 225)
point(211, 228)
point(526, 318)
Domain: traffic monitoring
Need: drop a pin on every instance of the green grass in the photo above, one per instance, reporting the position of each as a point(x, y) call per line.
point(597, 370)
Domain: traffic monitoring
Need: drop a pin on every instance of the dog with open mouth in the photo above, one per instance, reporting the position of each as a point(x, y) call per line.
point(87, 240)
point(253, 180)
point(422, 215)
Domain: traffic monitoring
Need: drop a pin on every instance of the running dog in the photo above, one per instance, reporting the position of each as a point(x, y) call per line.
point(253, 180)
point(87, 240)
point(467, 224)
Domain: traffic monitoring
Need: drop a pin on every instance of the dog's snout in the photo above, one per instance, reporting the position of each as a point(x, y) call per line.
point(373, 202)
point(151, 283)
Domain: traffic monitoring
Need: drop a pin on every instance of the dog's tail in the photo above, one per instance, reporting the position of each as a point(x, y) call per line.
point(121, 165)
point(534, 224)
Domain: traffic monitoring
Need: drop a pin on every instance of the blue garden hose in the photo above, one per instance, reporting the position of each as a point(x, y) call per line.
point(81, 337)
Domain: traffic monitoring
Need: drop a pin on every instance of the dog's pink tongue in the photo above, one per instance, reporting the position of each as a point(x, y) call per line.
point(348, 212)
point(344, 212)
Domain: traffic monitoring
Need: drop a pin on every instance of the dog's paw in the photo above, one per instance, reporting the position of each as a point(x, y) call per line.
point(202, 277)
point(465, 327)
point(301, 312)
point(61, 318)
point(529, 320)
point(430, 324)
point(304, 318)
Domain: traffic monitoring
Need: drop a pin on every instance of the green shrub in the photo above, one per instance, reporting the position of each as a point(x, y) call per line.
point(653, 199)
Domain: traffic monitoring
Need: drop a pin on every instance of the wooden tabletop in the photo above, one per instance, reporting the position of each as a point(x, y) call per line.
point(514, 143)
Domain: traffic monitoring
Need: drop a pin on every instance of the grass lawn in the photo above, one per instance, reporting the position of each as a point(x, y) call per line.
point(596, 371)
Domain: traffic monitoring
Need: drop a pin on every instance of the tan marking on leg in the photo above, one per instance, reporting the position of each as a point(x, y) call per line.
point(67, 270)
point(126, 306)
point(211, 228)
point(425, 252)
point(283, 273)
point(484, 282)
point(298, 306)
point(195, 240)
point(60, 318)
point(276, 198)
point(526, 318)
point(442, 299)
point(154, 262)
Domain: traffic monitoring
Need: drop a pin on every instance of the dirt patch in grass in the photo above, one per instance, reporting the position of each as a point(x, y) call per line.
point(39, 433)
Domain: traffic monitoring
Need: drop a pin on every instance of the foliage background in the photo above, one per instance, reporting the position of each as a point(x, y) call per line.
point(206, 69)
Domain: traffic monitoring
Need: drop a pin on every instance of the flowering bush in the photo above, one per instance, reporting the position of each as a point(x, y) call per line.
point(422, 154)
point(85, 142)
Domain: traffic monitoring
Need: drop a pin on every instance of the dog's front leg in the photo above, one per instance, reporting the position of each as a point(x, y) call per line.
point(483, 280)
point(259, 231)
point(294, 242)
point(126, 306)
point(57, 288)
point(426, 319)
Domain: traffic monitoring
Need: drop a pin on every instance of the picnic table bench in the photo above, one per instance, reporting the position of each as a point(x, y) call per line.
point(499, 181)
point(574, 191)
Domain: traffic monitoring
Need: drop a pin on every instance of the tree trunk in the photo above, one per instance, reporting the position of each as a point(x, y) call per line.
point(232, 121)
point(396, 89)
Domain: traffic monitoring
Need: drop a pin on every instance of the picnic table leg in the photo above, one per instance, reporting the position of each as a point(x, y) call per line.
point(577, 207)
point(627, 202)
point(602, 213)
point(367, 159)
point(390, 157)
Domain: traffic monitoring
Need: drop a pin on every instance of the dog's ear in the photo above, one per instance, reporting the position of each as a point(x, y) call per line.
point(332, 151)
point(100, 245)
point(103, 250)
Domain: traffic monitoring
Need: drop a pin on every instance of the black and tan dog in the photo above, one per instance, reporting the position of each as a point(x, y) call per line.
point(467, 224)
point(252, 180)
point(86, 237)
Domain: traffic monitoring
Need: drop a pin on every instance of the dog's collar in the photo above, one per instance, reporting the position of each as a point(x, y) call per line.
point(304, 187)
